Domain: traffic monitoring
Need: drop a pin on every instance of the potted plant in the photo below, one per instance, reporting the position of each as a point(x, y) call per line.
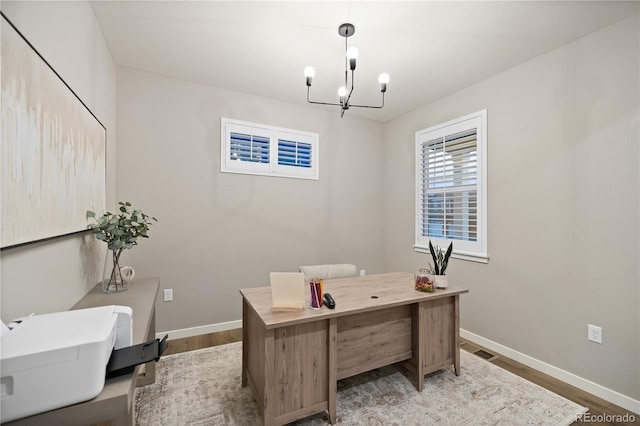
point(440, 263)
point(121, 232)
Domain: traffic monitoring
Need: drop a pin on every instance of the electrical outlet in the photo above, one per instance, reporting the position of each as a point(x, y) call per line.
point(594, 333)
point(168, 294)
point(362, 272)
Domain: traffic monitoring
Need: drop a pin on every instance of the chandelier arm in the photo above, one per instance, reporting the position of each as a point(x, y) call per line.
point(350, 91)
point(366, 106)
point(370, 106)
point(326, 103)
point(319, 103)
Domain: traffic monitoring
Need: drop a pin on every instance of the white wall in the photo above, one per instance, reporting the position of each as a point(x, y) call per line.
point(220, 232)
point(563, 206)
point(51, 276)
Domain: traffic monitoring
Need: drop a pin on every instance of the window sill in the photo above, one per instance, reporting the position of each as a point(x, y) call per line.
point(458, 254)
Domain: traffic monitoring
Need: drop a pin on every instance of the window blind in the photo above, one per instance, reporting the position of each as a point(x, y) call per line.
point(252, 148)
point(449, 182)
point(293, 153)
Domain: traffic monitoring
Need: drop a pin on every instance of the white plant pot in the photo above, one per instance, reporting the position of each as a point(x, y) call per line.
point(441, 281)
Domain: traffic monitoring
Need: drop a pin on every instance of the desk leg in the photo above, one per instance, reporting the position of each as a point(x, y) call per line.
point(128, 419)
point(333, 369)
point(245, 339)
point(418, 322)
point(456, 342)
point(149, 375)
point(270, 385)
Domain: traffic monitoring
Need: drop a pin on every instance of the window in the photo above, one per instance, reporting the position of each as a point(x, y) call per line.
point(249, 148)
point(451, 186)
point(267, 150)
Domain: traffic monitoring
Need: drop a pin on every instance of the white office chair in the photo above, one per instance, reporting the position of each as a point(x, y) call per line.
point(327, 272)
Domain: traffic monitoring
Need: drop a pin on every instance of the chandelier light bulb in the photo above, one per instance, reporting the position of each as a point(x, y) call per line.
point(342, 93)
point(383, 79)
point(352, 56)
point(309, 73)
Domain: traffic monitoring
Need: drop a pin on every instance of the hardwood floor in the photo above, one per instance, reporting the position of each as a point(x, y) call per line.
point(599, 409)
point(600, 413)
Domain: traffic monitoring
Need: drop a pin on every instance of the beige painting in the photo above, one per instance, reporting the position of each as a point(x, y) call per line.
point(52, 149)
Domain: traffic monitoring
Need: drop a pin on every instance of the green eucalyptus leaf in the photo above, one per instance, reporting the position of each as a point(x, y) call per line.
point(122, 230)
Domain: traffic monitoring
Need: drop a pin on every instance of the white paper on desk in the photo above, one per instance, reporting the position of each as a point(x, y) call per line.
point(287, 289)
point(5, 329)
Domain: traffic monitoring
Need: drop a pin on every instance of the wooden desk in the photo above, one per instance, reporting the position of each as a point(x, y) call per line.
point(115, 403)
point(293, 360)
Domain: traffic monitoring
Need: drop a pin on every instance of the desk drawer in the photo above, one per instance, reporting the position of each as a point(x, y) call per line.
point(373, 339)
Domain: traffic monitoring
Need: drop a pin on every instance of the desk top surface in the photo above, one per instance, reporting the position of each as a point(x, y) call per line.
point(352, 295)
point(141, 297)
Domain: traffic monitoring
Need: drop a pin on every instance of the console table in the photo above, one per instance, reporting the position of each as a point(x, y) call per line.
point(116, 402)
point(293, 360)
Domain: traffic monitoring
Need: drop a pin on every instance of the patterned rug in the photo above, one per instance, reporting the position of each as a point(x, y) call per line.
point(203, 388)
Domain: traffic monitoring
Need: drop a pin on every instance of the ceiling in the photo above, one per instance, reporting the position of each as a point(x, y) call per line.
point(429, 48)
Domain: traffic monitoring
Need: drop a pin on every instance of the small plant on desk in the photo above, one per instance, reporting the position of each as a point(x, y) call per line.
point(440, 258)
point(440, 263)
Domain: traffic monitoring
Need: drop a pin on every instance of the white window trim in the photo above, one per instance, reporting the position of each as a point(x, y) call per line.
point(228, 125)
point(476, 120)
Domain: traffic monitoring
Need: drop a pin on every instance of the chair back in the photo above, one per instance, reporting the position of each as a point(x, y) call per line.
point(328, 272)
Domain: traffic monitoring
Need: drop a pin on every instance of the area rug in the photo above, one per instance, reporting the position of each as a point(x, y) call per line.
point(203, 388)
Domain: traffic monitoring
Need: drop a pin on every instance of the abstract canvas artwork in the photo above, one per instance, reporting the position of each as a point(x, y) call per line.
point(53, 149)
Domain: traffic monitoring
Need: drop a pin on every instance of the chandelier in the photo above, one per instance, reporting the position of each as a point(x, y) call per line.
point(351, 55)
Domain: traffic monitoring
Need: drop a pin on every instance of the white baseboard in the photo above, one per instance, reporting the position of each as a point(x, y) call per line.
point(203, 329)
point(588, 386)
